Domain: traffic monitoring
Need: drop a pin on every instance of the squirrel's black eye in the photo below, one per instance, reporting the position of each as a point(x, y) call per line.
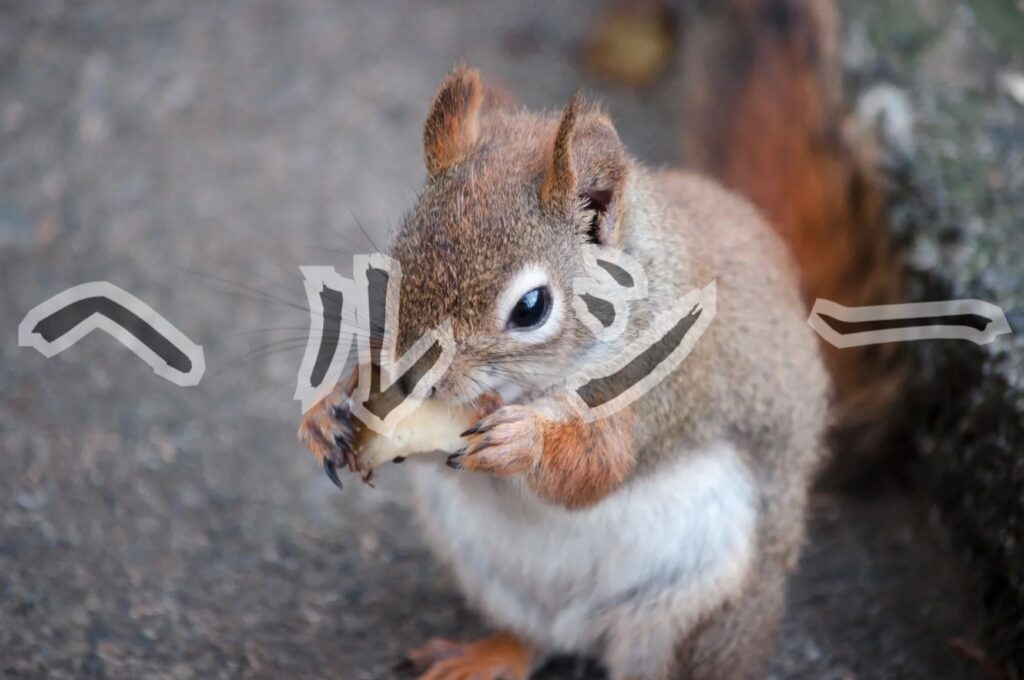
point(532, 309)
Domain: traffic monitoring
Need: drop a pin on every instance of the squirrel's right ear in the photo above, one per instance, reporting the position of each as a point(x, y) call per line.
point(453, 126)
point(588, 169)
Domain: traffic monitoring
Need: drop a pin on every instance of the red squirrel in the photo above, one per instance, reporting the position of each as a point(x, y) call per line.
point(657, 539)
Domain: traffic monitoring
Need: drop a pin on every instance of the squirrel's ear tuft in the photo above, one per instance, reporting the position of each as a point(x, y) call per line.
point(453, 126)
point(587, 172)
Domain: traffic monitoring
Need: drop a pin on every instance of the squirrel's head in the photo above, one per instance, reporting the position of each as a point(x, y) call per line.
point(498, 232)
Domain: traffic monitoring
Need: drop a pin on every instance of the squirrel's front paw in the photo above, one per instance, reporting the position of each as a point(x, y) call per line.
point(328, 431)
point(509, 441)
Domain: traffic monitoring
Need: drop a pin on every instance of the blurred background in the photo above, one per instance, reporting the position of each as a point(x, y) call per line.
point(196, 153)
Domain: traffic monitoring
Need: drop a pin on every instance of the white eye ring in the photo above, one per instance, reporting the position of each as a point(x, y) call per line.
point(529, 278)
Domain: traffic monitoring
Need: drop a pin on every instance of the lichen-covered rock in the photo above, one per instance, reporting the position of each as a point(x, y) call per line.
point(958, 208)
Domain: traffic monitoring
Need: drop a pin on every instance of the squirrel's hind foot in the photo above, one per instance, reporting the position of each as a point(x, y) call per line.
point(498, 657)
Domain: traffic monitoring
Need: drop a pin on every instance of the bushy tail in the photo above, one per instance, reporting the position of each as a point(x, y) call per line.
point(765, 115)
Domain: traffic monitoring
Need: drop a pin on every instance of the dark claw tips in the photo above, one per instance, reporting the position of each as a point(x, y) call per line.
point(332, 473)
point(473, 430)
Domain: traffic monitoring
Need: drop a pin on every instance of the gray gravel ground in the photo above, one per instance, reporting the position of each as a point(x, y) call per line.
point(194, 152)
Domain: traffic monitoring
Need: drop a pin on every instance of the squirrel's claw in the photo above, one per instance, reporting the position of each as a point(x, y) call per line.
point(453, 459)
point(332, 473)
point(476, 429)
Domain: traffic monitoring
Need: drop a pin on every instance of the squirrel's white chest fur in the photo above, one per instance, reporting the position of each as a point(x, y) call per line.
point(638, 568)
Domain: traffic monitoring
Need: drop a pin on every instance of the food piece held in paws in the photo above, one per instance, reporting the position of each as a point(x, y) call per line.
point(433, 426)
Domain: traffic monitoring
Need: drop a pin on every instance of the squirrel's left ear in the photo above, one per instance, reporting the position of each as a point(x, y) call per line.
point(453, 126)
point(588, 168)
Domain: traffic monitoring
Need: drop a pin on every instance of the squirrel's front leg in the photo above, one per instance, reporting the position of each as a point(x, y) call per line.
point(564, 458)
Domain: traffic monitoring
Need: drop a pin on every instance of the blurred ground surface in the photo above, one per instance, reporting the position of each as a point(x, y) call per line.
point(152, 531)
